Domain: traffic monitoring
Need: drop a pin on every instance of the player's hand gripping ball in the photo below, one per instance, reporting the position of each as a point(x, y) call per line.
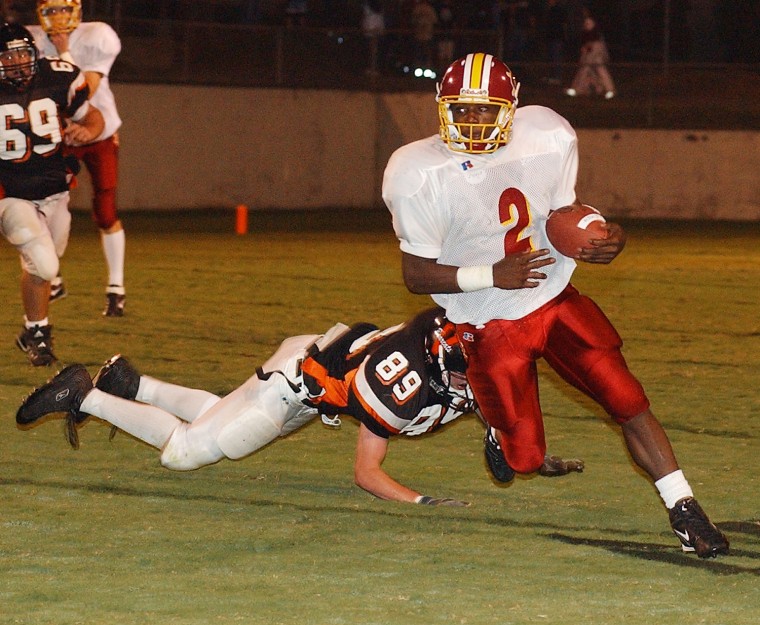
point(571, 228)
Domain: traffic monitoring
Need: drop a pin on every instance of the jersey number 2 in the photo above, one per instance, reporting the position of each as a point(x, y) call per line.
point(515, 217)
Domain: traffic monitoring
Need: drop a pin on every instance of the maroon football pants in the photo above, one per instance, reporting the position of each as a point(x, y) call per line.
point(577, 340)
point(102, 161)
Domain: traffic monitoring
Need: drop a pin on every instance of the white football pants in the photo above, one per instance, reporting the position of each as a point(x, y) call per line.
point(38, 230)
point(194, 428)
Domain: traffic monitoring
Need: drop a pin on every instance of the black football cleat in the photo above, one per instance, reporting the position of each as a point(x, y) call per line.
point(37, 342)
point(58, 291)
point(115, 301)
point(497, 464)
point(63, 393)
point(695, 531)
point(118, 377)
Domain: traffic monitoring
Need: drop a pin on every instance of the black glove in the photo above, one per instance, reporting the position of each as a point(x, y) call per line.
point(555, 466)
point(431, 501)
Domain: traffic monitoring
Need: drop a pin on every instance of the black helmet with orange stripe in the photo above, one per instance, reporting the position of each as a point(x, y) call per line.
point(18, 56)
point(447, 362)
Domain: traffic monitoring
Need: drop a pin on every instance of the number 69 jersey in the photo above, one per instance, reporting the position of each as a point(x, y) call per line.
point(32, 166)
point(397, 388)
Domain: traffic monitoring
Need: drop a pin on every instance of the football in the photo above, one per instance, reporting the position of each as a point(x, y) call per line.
point(572, 227)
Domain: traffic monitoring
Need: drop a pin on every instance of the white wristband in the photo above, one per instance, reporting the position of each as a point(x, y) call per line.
point(66, 56)
point(475, 278)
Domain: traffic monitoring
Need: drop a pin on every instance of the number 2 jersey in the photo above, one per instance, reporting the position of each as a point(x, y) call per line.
point(473, 209)
point(32, 165)
point(383, 379)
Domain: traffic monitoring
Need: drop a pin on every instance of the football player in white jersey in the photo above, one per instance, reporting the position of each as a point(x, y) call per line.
point(38, 99)
point(93, 47)
point(469, 207)
point(408, 379)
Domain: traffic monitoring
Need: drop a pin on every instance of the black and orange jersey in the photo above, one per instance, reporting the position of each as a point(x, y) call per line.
point(32, 165)
point(383, 379)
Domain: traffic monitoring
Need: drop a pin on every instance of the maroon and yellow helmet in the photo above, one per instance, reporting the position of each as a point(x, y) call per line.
point(59, 16)
point(477, 78)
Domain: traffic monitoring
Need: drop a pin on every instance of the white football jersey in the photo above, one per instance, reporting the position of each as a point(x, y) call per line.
point(94, 47)
point(472, 209)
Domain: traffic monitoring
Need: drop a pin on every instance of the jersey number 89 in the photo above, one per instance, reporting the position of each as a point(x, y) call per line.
point(392, 368)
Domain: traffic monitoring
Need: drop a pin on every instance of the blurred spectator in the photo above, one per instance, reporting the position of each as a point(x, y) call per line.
point(9, 12)
point(423, 21)
point(373, 29)
point(251, 12)
point(445, 45)
point(517, 21)
point(737, 30)
point(592, 77)
point(295, 13)
point(555, 33)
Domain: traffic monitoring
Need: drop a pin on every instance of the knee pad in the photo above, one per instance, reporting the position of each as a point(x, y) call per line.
point(39, 258)
point(185, 450)
point(247, 433)
point(20, 222)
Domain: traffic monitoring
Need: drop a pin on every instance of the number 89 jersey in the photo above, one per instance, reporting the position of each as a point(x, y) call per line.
point(393, 391)
point(32, 166)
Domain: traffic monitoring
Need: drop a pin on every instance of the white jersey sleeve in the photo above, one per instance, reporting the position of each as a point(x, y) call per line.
point(94, 47)
point(472, 209)
point(412, 191)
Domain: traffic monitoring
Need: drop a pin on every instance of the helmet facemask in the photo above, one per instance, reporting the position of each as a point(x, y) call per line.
point(449, 366)
point(18, 57)
point(59, 16)
point(475, 138)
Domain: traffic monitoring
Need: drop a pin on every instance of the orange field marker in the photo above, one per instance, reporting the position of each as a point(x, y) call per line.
point(241, 219)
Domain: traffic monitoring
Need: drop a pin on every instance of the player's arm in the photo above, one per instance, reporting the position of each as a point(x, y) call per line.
point(61, 43)
point(86, 128)
point(369, 475)
point(93, 81)
point(368, 472)
point(514, 271)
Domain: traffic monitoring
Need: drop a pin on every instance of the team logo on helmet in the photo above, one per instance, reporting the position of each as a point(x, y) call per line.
point(473, 92)
point(477, 78)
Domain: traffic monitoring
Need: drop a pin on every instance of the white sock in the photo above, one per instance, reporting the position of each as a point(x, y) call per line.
point(148, 423)
point(187, 403)
point(114, 245)
point(30, 324)
point(673, 487)
point(56, 282)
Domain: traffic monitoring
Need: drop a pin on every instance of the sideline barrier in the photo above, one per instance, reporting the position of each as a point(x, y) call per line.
point(328, 149)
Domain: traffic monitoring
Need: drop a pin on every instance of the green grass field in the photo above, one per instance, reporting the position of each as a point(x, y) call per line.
point(105, 535)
